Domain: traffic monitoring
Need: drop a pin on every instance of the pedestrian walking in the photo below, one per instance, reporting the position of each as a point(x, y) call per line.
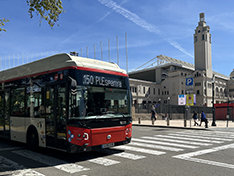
point(153, 115)
point(195, 118)
point(204, 119)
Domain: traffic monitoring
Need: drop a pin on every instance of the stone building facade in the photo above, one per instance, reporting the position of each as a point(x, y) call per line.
point(165, 81)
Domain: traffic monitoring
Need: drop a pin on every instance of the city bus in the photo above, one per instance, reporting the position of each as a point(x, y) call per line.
point(66, 102)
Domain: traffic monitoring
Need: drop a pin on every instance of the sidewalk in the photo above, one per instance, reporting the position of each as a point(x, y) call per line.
point(220, 124)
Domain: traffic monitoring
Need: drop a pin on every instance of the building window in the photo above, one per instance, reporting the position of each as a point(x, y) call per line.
point(158, 91)
point(198, 84)
point(198, 92)
point(167, 92)
point(162, 92)
point(203, 37)
point(182, 91)
point(154, 91)
point(182, 83)
point(182, 74)
point(149, 90)
point(195, 39)
point(143, 89)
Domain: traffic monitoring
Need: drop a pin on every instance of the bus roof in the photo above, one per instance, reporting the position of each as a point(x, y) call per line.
point(55, 62)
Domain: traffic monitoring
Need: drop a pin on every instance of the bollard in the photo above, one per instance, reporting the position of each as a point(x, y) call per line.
point(185, 122)
point(168, 121)
point(139, 120)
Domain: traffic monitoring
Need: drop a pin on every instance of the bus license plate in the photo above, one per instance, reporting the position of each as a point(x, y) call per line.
point(108, 145)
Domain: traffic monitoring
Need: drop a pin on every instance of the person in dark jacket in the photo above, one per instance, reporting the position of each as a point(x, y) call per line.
point(204, 119)
point(195, 118)
point(153, 114)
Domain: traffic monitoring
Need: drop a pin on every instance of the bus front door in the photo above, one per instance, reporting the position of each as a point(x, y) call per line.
point(4, 115)
point(56, 116)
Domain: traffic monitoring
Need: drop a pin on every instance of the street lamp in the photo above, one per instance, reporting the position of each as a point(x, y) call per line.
point(168, 110)
point(213, 108)
point(159, 101)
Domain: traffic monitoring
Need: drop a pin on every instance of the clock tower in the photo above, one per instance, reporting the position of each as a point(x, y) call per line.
point(202, 47)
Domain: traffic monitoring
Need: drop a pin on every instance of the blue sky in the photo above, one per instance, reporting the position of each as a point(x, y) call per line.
point(152, 27)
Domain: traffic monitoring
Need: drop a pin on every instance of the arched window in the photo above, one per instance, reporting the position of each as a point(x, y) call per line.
point(217, 91)
point(221, 92)
point(225, 92)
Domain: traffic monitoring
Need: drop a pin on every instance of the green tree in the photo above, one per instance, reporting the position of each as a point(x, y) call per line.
point(48, 10)
point(2, 24)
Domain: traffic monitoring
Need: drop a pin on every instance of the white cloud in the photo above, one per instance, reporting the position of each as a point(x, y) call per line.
point(139, 21)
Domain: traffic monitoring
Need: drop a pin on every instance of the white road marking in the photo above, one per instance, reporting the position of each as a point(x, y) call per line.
point(156, 146)
point(201, 137)
point(104, 161)
point(164, 143)
point(71, 168)
point(193, 138)
point(15, 169)
point(153, 152)
point(188, 156)
point(123, 154)
point(178, 141)
point(209, 133)
point(129, 156)
point(51, 161)
point(27, 172)
point(9, 165)
point(57, 163)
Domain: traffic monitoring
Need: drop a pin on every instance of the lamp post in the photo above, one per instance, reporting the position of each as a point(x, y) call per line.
point(213, 108)
point(168, 110)
point(159, 105)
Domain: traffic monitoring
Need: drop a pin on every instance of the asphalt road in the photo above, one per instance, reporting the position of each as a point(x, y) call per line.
point(153, 151)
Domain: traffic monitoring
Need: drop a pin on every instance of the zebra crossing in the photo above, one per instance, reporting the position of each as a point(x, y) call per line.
point(177, 144)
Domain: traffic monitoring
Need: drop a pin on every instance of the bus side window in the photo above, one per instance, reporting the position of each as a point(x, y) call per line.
point(18, 102)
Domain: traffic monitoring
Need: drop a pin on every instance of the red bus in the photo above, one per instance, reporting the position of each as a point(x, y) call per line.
point(66, 102)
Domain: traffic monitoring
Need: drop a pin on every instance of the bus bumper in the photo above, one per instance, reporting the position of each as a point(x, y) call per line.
point(78, 149)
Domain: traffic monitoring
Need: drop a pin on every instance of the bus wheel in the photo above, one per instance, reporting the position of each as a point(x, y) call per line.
point(32, 138)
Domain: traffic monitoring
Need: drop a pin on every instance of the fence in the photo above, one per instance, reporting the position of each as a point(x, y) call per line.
point(174, 111)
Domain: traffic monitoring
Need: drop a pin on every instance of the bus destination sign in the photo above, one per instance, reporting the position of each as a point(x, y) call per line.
point(101, 81)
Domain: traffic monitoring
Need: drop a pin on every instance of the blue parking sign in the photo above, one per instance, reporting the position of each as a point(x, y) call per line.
point(189, 81)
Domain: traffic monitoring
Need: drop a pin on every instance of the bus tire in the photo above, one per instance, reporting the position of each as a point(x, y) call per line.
point(32, 138)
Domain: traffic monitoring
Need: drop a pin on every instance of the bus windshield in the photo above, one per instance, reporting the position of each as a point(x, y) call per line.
point(90, 102)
